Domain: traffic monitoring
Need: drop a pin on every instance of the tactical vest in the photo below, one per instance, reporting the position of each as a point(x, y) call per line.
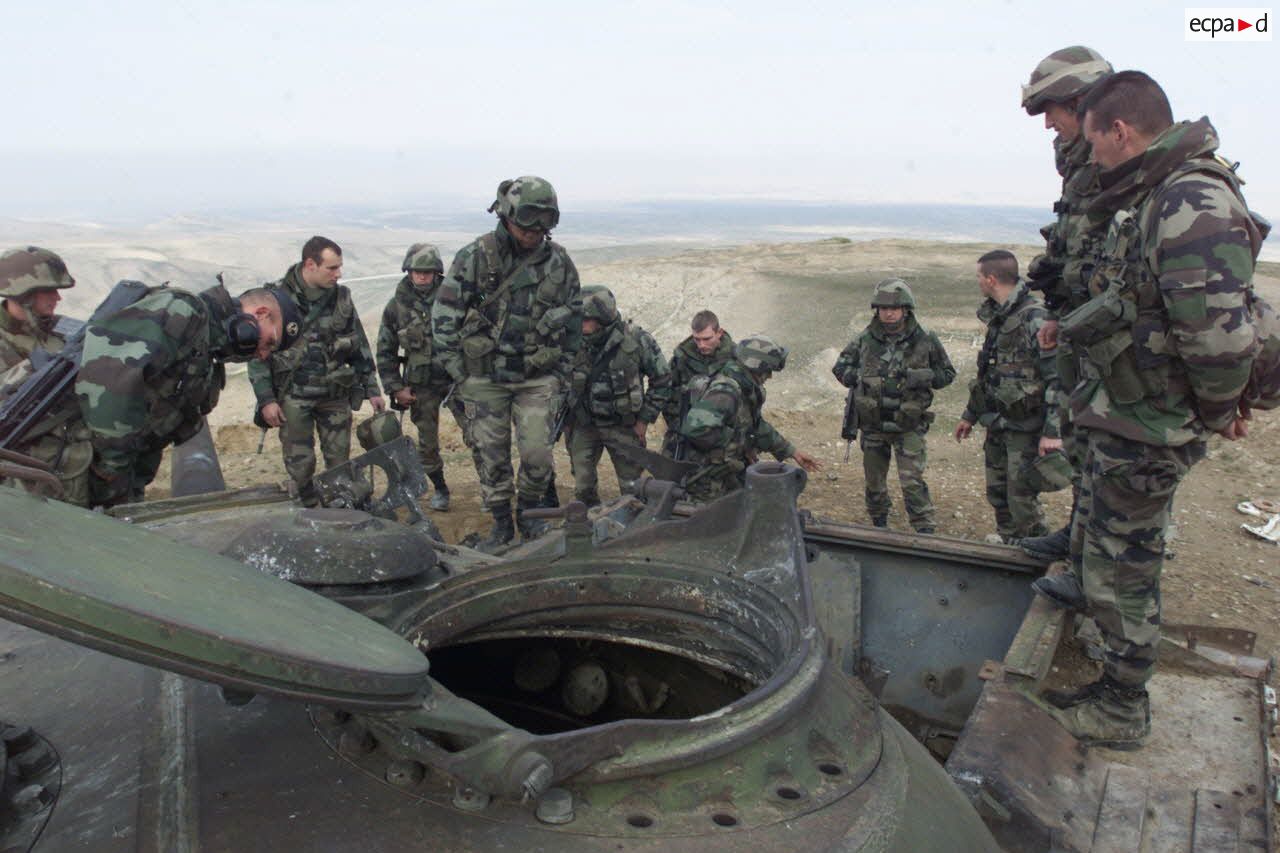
point(316, 366)
point(413, 330)
point(518, 330)
point(179, 396)
point(885, 401)
point(1008, 369)
point(728, 459)
point(616, 395)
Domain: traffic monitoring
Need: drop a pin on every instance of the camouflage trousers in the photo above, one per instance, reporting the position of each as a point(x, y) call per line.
point(68, 450)
point(425, 414)
point(1117, 543)
point(490, 408)
point(586, 445)
point(303, 419)
point(878, 448)
point(1072, 445)
point(1017, 506)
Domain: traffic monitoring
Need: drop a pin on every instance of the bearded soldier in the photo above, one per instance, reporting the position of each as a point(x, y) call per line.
point(1015, 396)
point(416, 381)
point(506, 328)
point(620, 383)
point(30, 279)
point(1168, 341)
point(1057, 87)
point(894, 367)
point(313, 386)
point(724, 427)
point(700, 354)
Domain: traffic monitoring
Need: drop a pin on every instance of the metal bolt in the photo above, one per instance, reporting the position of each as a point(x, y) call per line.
point(35, 761)
point(405, 773)
point(469, 799)
point(555, 807)
point(18, 739)
point(356, 741)
point(32, 799)
point(943, 601)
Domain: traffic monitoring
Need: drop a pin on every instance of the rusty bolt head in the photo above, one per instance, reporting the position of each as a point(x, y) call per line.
point(555, 807)
point(469, 799)
point(356, 741)
point(405, 773)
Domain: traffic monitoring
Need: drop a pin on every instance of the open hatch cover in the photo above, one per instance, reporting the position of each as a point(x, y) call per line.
point(110, 586)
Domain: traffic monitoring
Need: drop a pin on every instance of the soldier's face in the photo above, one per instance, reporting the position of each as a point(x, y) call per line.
point(526, 238)
point(708, 339)
point(269, 331)
point(1107, 143)
point(986, 283)
point(1063, 120)
point(890, 316)
point(324, 274)
point(43, 302)
point(590, 325)
point(422, 279)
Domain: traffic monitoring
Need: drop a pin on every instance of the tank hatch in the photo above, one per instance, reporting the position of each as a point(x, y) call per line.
point(110, 586)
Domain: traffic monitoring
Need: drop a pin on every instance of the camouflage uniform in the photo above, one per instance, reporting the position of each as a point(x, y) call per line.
point(724, 427)
point(506, 328)
point(894, 377)
point(686, 364)
point(1168, 344)
point(406, 325)
point(319, 381)
point(1016, 398)
point(609, 393)
point(22, 271)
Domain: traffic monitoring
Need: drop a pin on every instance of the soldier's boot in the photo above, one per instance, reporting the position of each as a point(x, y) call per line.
point(927, 529)
point(307, 494)
point(550, 498)
point(880, 520)
point(440, 500)
point(1055, 546)
point(502, 533)
point(530, 528)
point(1062, 590)
point(1115, 716)
point(1071, 698)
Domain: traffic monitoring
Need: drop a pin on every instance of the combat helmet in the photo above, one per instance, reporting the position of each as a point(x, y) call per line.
point(598, 304)
point(760, 354)
point(528, 201)
point(1063, 75)
point(31, 268)
point(1047, 473)
point(378, 430)
point(893, 293)
point(422, 257)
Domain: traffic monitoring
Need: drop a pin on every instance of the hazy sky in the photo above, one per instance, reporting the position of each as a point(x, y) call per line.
point(163, 107)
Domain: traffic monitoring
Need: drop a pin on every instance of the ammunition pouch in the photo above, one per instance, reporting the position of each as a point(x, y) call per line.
point(1068, 373)
point(478, 355)
point(417, 368)
point(1018, 399)
point(911, 415)
point(553, 322)
point(919, 377)
point(1102, 330)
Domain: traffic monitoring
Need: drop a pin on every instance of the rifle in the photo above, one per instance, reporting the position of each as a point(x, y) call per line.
point(54, 375)
point(681, 448)
point(849, 426)
point(571, 400)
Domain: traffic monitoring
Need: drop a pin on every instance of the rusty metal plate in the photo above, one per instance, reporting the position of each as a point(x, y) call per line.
point(111, 586)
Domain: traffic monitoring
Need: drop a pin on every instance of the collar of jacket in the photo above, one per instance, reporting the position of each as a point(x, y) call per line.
point(991, 310)
point(1070, 156)
point(217, 301)
point(1127, 184)
point(416, 297)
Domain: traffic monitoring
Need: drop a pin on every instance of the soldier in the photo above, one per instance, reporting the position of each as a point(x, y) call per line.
point(724, 426)
point(620, 383)
point(1056, 88)
point(894, 367)
point(1168, 342)
point(30, 279)
point(313, 386)
point(148, 375)
point(422, 385)
point(700, 354)
point(1015, 396)
point(506, 328)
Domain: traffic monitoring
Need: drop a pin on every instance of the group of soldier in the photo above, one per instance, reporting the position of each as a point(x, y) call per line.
point(1139, 349)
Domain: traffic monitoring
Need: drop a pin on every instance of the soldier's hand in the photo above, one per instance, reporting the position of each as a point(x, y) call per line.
point(378, 402)
point(273, 415)
point(807, 462)
point(404, 397)
point(641, 428)
point(963, 429)
point(1047, 337)
point(1238, 428)
point(1048, 445)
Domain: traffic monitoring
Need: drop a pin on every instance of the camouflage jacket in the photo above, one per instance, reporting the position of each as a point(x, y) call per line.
point(618, 395)
point(149, 373)
point(406, 326)
point(18, 339)
point(1167, 339)
point(725, 427)
point(531, 327)
point(894, 376)
point(1017, 384)
point(686, 363)
point(1073, 240)
point(330, 360)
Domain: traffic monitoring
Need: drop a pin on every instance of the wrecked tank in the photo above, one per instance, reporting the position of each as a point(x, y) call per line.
point(229, 671)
